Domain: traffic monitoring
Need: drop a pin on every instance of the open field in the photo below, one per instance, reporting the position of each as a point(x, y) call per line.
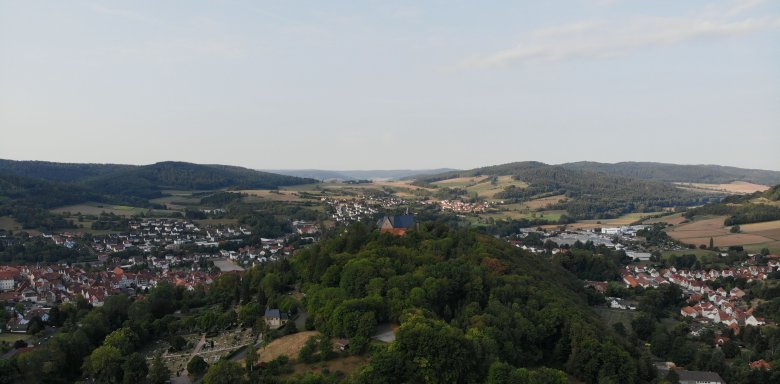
point(626, 219)
point(773, 247)
point(700, 231)
point(767, 229)
point(483, 186)
point(613, 316)
point(98, 208)
point(534, 205)
point(12, 337)
point(347, 365)
point(281, 195)
point(674, 219)
point(289, 346)
point(227, 265)
point(206, 222)
point(702, 253)
point(517, 215)
point(460, 182)
point(179, 202)
point(736, 187)
point(9, 223)
point(728, 240)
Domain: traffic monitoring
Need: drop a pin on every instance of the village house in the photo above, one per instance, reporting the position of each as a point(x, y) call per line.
point(275, 318)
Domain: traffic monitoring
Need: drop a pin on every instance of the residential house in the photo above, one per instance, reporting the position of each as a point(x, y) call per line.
point(275, 318)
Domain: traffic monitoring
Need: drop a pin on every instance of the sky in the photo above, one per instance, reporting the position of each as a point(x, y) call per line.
point(391, 84)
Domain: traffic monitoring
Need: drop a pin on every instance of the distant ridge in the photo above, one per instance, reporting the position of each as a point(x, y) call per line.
point(326, 175)
point(709, 174)
point(589, 194)
point(63, 172)
point(146, 181)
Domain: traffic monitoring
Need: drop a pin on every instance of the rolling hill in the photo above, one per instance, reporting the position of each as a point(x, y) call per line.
point(710, 174)
point(150, 180)
point(62, 172)
point(147, 180)
point(590, 194)
point(325, 175)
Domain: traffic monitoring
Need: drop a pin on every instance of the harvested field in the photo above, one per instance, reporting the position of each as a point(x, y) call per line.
point(736, 187)
point(712, 227)
point(289, 345)
point(767, 225)
point(773, 234)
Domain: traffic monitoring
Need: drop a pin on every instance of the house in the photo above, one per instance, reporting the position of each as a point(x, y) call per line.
point(689, 312)
point(699, 377)
point(274, 317)
point(755, 321)
point(396, 225)
point(7, 275)
point(761, 364)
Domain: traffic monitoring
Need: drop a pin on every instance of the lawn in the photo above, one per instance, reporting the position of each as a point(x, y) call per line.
point(12, 337)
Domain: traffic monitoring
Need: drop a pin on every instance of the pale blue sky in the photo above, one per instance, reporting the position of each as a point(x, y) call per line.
point(402, 84)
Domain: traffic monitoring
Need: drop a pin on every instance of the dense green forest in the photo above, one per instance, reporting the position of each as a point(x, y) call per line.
point(28, 200)
point(62, 172)
point(464, 300)
point(590, 194)
point(149, 181)
point(711, 174)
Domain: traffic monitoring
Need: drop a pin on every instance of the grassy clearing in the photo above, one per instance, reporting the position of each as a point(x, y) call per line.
point(673, 219)
point(347, 365)
point(699, 232)
point(12, 337)
point(517, 215)
point(281, 195)
point(483, 186)
point(289, 346)
point(701, 253)
point(8, 223)
point(613, 316)
point(98, 208)
point(626, 219)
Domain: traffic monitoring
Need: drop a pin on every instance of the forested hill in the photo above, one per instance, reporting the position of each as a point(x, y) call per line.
point(711, 174)
point(744, 209)
point(470, 307)
point(20, 191)
point(64, 172)
point(359, 175)
point(590, 194)
point(149, 180)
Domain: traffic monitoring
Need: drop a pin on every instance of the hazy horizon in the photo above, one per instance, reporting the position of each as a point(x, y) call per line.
point(404, 85)
point(391, 169)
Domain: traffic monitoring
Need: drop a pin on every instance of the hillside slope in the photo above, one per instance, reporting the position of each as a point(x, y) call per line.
point(63, 172)
point(149, 180)
point(464, 301)
point(591, 194)
point(710, 174)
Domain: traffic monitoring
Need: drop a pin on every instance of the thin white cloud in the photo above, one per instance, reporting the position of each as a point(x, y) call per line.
point(602, 39)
